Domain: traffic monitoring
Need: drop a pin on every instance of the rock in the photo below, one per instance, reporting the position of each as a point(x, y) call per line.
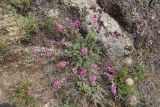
point(0, 93)
point(53, 13)
point(129, 81)
point(132, 100)
point(47, 104)
point(2, 96)
point(6, 105)
point(129, 61)
point(51, 103)
point(105, 27)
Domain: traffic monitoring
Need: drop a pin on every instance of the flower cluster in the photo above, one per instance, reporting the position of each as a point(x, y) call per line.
point(56, 85)
point(110, 69)
point(62, 42)
point(43, 51)
point(92, 71)
point(113, 90)
point(110, 75)
point(59, 27)
point(93, 80)
point(95, 67)
point(75, 23)
point(94, 18)
point(62, 64)
point(138, 29)
point(74, 70)
point(52, 42)
point(114, 36)
point(84, 51)
point(83, 73)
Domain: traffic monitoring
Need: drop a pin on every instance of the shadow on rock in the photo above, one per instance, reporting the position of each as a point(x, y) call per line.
point(6, 105)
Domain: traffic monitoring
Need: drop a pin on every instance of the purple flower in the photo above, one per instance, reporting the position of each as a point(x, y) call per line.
point(83, 73)
point(76, 23)
point(63, 41)
point(94, 18)
point(109, 62)
point(93, 80)
point(113, 90)
point(58, 27)
point(56, 85)
point(114, 36)
point(52, 42)
point(62, 64)
point(95, 67)
point(74, 70)
point(110, 77)
point(71, 23)
point(84, 51)
point(48, 52)
point(36, 50)
point(134, 35)
point(110, 69)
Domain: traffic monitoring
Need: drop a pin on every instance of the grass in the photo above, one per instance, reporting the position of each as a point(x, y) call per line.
point(123, 89)
point(48, 24)
point(4, 50)
point(122, 74)
point(22, 98)
point(29, 26)
point(140, 72)
point(74, 53)
point(22, 5)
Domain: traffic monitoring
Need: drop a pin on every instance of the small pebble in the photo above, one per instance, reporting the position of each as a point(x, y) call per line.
point(129, 61)
point(132, 100)
point(129, 81)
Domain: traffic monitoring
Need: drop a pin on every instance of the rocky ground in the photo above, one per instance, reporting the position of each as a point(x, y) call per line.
point(137, 23)
point(147, 12)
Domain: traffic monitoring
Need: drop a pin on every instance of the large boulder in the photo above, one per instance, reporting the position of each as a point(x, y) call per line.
point(114, 37)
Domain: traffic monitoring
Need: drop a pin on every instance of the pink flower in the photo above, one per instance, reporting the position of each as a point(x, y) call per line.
point(74, 70)
point(71, 23)
point(134, 35)
point(58, 27)
point(63, 41)
point(93, 80)
point(113, 90)
point(76, 23)
point(83, 73)
point(94, 18)
point(114, 36)
point(109, 68)
point(48, 52)
point(52, 42)
point(106, 67)
point(84, 51)
point(62, 64)
point(56, 85)
point(110, 77)
point(36, 50)
point(110, 62)
point(95, 67)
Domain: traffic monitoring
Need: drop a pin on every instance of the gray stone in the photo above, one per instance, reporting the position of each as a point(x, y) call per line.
point(114, 49)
